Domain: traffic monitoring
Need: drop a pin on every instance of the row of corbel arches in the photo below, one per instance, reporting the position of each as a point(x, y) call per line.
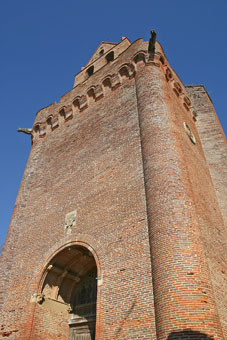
point(109, 83)
point(94, 93)
point(179, 91)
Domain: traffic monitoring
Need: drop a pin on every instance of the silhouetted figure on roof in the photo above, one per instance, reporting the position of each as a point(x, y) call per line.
point(151, 46)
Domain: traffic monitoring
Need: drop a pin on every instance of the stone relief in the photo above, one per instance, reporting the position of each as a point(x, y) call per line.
point(37, 298)
point(70, 221)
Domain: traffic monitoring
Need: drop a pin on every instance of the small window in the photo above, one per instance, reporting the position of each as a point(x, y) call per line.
point(90, 71)
point(110, 57)
point(101, 52)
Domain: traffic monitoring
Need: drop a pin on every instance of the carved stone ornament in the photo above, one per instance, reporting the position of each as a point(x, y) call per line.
point(189, 133)
point(37, 298)
point(70, 221)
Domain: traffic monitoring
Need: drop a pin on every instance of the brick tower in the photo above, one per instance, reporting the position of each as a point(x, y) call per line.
point(119, 227)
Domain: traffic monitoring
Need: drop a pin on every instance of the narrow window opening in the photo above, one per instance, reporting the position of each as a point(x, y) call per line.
point(62, 112)
point(124, 72)
point(76, 104)
point(91, 95)
point(90, 71)
point(110, 57)
point(101, 52)
point(107, 84)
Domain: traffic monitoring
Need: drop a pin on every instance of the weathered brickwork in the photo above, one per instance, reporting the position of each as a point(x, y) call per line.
point(122, 181)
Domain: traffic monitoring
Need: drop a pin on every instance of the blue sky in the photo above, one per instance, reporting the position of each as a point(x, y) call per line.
point(45, 43)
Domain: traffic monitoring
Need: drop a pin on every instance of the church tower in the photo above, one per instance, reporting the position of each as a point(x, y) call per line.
point(119, 228)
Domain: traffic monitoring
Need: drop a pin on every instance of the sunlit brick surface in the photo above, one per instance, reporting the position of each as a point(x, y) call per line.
point(148, 198)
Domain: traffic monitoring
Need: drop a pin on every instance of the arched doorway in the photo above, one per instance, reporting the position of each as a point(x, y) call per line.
point(70, 289)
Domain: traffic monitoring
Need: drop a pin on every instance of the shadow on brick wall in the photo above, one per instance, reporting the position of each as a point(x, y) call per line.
point(188, 335)
point(121, 326)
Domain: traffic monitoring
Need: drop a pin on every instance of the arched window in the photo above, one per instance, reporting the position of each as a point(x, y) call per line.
point(107, 85)
point(91, 95)
point(124, 73)
point(90, 71)
point(110, 57)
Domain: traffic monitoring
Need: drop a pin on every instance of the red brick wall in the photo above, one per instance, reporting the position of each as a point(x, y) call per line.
point(92, 164)
point(212, 195)
point(183, 292)
point(127, 166)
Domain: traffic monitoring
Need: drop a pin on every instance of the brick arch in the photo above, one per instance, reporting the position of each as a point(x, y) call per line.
point(139, 56)
point(85, 241)
point(127, 69)
point(76, 102)
point(61, 111)
point(90, 93)
point(107, 76)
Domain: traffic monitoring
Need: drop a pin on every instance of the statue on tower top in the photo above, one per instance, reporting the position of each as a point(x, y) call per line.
point(151, 46)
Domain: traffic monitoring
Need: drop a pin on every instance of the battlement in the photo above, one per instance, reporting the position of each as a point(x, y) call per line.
point(106, 76)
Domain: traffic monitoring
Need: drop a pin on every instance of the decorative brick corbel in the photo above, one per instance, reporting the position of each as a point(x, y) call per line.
point(68, 112)
point(177, 88)
point(115, 81)
point(83, 103)
point(131, 70)
point(98, 92)
point(187, 102)
point(54, 122)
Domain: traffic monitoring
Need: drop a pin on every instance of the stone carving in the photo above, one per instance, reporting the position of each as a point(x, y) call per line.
point(27, 131)
point(70, 221)
point(151, 46)
point(37, 298)
point(69, 309)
